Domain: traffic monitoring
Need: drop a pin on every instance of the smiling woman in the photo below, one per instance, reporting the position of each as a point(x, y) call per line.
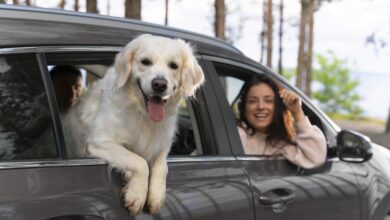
point(266, 115)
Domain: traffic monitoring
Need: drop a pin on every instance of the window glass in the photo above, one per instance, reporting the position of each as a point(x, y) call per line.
point(25, 122)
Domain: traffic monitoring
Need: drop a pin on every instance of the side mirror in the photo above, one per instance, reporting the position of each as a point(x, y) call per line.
point(353, 146)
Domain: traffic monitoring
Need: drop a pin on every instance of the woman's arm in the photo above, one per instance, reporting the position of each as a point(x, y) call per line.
point(310, 148)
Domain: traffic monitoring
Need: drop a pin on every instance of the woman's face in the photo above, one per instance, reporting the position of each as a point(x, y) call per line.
point(260, 105)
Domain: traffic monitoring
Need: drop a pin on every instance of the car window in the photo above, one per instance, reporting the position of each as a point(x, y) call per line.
point(187, 140)
point(25, 122)
point(232, 79)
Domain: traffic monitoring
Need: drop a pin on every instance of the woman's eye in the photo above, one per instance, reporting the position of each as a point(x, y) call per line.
point(173, 65)
point(146, 62)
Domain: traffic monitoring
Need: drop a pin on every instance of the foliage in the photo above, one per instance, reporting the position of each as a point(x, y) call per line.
point(332, 86)
point(337, 92)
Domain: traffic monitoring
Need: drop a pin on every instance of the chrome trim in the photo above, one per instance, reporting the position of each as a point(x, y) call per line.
point(187, 159)
point(51, 163)
point(259, 158)
point(97, 161)
point(58, 49)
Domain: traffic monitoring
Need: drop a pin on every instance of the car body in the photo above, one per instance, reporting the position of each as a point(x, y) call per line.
point(218, 181)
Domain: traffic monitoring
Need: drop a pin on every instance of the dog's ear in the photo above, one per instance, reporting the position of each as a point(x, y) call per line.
point(124, 59)
point(192, 76)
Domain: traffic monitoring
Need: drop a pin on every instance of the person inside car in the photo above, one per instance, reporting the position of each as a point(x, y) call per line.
point(67, 83)
point(272, 122)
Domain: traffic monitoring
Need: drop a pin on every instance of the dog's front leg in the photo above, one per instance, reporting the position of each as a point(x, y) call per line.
point(157, 183)
point(134, 167)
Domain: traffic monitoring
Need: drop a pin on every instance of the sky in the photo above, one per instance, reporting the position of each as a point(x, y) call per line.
point(342, 26)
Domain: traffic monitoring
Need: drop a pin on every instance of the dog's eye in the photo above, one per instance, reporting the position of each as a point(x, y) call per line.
point(173, 65)
point(146, 62)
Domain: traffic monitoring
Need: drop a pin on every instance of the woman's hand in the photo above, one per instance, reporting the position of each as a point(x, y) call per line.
point(293, 103)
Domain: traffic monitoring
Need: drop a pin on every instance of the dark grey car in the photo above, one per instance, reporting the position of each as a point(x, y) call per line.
point(209, 175)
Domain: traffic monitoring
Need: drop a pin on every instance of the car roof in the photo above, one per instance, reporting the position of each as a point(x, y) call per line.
point(31, 26)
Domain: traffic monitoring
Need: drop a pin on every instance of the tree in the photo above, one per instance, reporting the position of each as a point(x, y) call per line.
point(266, 33)
point(133, 9)
point(219, 25)
point(303, 80)
point(76, 5)
point(280, 65)
point(269, 33)
point(166, 11)
point(2, 2)
point(92, 6)
point(337, 92)
point(61, 4)
point(16, 2)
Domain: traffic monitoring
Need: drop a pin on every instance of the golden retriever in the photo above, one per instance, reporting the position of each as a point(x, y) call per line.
point(128, 118)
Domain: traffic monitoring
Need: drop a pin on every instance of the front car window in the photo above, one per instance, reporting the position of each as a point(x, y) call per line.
point(25, 123)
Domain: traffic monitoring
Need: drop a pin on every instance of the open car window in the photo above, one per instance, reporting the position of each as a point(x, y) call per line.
point(232, 78)
point(187, 140)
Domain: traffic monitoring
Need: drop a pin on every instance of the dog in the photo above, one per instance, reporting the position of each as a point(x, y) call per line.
point(128, 118)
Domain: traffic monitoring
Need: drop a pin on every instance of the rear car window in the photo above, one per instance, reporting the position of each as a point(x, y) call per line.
point(26, 130)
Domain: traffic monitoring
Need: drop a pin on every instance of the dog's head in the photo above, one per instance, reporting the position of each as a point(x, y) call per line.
point(161, 68)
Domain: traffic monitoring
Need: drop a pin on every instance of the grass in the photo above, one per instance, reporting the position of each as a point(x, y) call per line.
point(338, 116)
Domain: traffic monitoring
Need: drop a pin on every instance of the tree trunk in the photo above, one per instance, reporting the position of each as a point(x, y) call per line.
point(387, 129)
point(133, 9)
point(28, 2)
point(280, 66)
point(166, 11)
point(61, 4)
point(108, 7)
point(269, 33)
point(305, 46)
point(220, 19)
point(16, 2)
point(263, 32)
point(92, 6)
point(2, 2)
point(76, 5)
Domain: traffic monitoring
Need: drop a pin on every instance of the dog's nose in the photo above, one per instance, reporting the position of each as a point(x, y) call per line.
point(159, 85)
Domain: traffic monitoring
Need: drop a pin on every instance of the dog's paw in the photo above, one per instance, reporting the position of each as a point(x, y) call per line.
point(134, 200)
point(156, 198)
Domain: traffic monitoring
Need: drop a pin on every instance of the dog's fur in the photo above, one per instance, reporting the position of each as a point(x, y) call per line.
point(116, 121)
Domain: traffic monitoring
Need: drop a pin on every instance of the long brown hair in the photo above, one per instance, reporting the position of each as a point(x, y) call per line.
point(282, 125)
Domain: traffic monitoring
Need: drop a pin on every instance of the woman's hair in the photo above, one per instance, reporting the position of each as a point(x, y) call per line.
point(281, 127)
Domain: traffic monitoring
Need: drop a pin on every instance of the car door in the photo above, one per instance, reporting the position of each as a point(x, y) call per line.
point(40, 181)
point(280, 189)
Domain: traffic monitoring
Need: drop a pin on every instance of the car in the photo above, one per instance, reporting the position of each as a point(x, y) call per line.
point(209, 177)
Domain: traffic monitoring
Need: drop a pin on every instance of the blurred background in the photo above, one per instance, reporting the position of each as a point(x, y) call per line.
point(335, 51)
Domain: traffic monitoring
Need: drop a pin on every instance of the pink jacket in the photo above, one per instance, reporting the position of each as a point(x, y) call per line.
point(308, 152)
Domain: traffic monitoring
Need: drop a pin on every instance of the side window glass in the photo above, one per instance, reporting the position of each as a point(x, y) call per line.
point(232, 86)
point(25, 123)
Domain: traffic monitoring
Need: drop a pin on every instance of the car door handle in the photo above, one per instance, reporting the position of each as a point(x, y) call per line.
point(277, 198)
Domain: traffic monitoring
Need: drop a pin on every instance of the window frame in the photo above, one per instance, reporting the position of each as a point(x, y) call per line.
point(205, 121)
point(330, 129)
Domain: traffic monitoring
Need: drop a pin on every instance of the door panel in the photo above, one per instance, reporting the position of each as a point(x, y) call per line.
point(195, 190)
point(329, 192)
point(207, 190)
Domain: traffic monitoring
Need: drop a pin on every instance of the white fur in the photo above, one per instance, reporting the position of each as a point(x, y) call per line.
point(111, 121)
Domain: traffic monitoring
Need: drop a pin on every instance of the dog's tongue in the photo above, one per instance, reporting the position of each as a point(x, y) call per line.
point(156, 108)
